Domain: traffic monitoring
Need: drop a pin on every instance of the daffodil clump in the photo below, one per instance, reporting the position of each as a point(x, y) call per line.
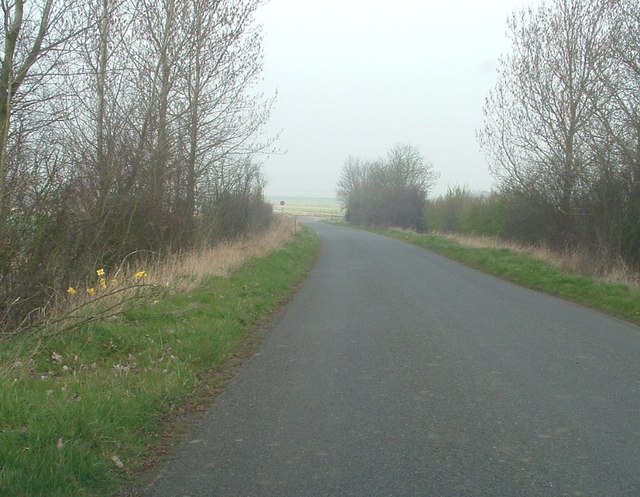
point(103, 284)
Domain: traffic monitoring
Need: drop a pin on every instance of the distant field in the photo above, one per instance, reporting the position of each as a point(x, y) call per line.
point(307, 206)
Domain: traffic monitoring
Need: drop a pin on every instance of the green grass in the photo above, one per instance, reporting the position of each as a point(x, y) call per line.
point(618, 300)
point(69, 403)
point(307, 206)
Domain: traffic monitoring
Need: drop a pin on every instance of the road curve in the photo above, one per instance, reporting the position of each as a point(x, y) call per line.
point(395, 372)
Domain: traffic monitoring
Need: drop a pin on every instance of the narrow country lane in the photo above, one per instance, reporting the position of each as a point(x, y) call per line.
point(395, 372)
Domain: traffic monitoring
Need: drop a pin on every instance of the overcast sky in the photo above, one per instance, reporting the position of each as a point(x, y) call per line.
point(355, 77)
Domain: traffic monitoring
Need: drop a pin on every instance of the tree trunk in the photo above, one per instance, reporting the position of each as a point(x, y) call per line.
point(101, 78)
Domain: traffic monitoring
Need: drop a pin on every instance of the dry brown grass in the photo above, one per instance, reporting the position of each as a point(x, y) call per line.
point(185, 271)
point(571, 260)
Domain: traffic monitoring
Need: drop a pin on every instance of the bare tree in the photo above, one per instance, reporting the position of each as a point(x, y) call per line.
point(539, 116)
point(562, 126)
point(616, 138)
point(33, 41)
point(352, 178)
point(389, 192)
point(407, 166)
point(223, 58)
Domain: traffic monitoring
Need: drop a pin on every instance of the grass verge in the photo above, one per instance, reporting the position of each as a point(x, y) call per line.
point(622, 301)
point(79, 411)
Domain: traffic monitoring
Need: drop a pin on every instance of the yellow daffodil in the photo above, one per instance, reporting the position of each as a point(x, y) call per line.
point(100, 272)
point(141, 274)
point(71, 291)
point(91, 292)
point(103, 283)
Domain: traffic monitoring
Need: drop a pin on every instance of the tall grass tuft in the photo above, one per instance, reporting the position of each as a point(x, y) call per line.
point(185, 271)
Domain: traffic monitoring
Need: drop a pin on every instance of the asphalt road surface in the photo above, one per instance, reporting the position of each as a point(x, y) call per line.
point(395, 372)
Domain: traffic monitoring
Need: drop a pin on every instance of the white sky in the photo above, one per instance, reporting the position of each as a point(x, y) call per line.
point(355, 77)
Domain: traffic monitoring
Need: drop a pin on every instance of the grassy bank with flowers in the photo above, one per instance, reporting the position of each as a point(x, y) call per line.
point(82, 402)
